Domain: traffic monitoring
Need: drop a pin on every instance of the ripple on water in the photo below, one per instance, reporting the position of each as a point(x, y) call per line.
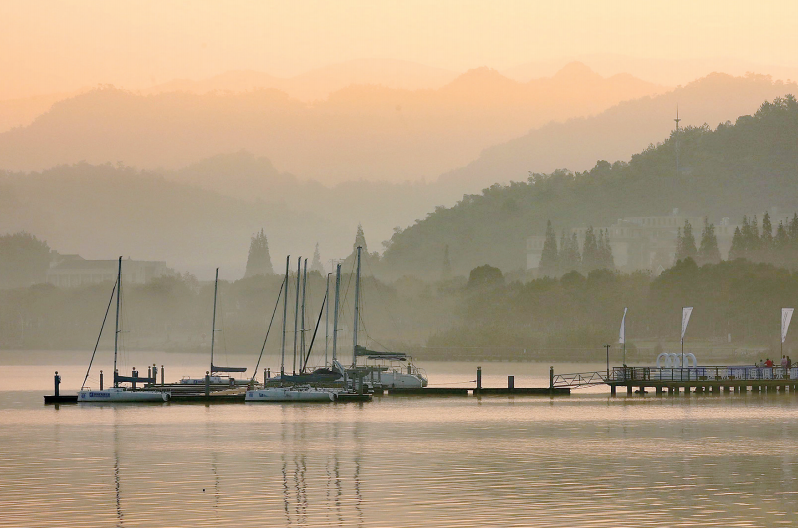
point(583, 461)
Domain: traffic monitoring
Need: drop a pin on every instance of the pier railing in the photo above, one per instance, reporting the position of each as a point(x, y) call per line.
point(708, 373)
point(579, 379)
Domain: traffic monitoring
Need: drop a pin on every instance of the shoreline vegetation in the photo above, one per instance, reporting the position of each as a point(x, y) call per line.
point(485, 317)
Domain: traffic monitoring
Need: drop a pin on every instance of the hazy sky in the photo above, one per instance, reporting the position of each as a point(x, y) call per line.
point(50, 46)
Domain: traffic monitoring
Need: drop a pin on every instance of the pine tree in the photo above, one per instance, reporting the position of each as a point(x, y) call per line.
point(605, 250)
point(360, 240)
point(548, 257)
point(791, 255)
point(259, 261)
point(737, 246)
point(446, 269)
point(781, 246)
point(688, 242)
point(679, 254)
point(708, 253)
point(590, 256)
point(752, 243)
point(574, 256)
point(766, 240)
point(315, 264)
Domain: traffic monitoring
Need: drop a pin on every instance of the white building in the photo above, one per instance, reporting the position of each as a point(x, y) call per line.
point(73, 270)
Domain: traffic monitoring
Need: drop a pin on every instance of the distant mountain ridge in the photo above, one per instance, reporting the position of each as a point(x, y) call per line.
point(319, 83)
point(618, 132)
point(359, 132)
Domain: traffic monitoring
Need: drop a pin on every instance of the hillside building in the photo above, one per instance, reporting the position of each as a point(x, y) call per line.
point(73, 270)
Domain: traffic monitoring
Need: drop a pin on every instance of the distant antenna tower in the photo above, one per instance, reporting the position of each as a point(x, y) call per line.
point(677, 139)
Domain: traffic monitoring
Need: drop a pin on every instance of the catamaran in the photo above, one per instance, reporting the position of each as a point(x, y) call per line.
point(117, 394)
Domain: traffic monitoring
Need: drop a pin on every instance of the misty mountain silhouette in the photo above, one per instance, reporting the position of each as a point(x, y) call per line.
point(618, 132)
point(359, 132)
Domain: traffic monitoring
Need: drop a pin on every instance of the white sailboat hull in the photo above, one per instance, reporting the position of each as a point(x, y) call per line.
point(120, 395)
point(395, 379)
point(289, 394)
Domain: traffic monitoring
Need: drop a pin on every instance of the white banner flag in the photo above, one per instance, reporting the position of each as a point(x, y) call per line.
point(622, 335)
point(685, 319)
point(786, 316)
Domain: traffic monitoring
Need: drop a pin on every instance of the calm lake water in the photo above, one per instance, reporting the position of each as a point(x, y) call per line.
point(583, 460)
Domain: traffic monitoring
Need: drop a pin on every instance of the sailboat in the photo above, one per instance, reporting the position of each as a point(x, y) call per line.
point(117, 394)
point(293, 392)
point(214, 379)
point(389, 369)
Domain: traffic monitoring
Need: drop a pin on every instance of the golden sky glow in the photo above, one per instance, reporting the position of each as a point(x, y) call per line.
point(52, 46)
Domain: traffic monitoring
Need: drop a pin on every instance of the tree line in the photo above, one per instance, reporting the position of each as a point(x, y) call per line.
point(763, 245)
point(557, 260)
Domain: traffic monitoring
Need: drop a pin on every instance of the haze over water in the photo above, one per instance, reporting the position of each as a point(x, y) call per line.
point(583, 460)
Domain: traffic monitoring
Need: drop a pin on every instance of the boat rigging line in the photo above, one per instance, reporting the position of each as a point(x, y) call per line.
point(313, 339)
point(107, 310)
point(276, 304)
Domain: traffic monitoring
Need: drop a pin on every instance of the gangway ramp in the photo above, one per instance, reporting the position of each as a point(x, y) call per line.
point(578, 380)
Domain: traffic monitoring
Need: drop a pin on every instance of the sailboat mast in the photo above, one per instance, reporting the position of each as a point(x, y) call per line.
point(285, 317)
point(213, 323)
point(303, 361)
point(296, 308)
point(327, 320)
point(116, 330)
point(335, 313)
point(357, 305)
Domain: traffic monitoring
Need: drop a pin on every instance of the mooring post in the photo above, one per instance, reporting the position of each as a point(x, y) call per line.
point(510, 382)
point(154, 374)
point(149, 372)
point(161, 375)
point(207, 383)
point(612, 390)
point(57, 380)
point(101, 380)
point(265, 375)
point(551, 378)
point(479, 378)
point(134, 375)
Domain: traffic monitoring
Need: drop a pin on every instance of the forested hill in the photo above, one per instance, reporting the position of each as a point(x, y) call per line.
point(736, 169)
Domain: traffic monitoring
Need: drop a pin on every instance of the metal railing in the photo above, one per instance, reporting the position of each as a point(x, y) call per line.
point(707, 373)
point(579, 379)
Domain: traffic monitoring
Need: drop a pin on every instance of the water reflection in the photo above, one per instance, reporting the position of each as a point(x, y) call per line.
point(120, 516)
point(306, 491)
point(728, 461)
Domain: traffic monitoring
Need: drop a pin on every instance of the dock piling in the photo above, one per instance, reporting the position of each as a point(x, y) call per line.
point(510, 382)
point(57, 380)
point(162, 383)
point(101, 380)
point(479, 378)
point(207, 383)
point(551, 377)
